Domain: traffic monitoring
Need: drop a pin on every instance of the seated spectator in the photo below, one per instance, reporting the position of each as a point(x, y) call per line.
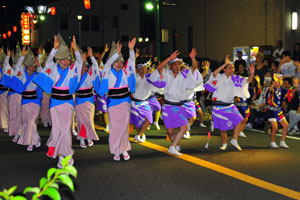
point(287, 67)
point(290, 104)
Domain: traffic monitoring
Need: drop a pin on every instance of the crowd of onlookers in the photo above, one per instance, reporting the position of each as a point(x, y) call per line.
point(282, 62)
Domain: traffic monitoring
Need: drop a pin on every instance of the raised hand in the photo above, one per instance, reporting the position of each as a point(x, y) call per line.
point(227, 59)
point(131, 43)
point(206, 64)
point(193, 53)
point(257, 78)
point(174, 54)
point(24, 50)
point(137, 53)
point(73, 44)
point(56, 42)
point(252, 69)
point(106, 48)
point(8, 52)
point(90, 51)
point(119, 47)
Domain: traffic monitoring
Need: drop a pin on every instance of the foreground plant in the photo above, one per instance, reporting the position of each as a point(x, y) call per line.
point(48, 186)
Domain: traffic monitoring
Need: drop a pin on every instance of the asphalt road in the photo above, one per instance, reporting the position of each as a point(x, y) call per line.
point(152, 174)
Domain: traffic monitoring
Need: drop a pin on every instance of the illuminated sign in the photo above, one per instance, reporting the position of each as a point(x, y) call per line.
point(25, 29)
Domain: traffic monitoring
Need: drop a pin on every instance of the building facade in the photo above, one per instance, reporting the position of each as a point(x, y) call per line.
point(214, 27)
point(105, 21)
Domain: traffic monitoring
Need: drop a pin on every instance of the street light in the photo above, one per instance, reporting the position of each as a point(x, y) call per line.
point(149, 6)
point(42, 17)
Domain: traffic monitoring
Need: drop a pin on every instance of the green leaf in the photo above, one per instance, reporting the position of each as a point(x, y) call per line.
point(54, 185)
point(43, 181)
point(32, 189)
point(65, 161)
point(11, 190)
point(52, 193)
point(67, 181)
point(70, 170)
point(19, 198)
point(50, 172)
point(4, 194)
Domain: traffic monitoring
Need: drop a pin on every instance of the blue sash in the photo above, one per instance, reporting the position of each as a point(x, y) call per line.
point(82, 79)
point(63, 75)
point(29, 79)
point(118, 75)
point(1, 70)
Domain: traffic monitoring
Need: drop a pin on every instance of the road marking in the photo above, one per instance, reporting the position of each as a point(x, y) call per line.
point(290, 137)
point(226, 171)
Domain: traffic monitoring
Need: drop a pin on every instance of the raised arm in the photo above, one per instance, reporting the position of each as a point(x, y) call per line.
point(20, 61)
point(192, 55)
point(219, 69)
point(131, 45)
point(106, 48)
point(206, 65)
point(76, 52)
point(112, 59)
point(90, 54)
point(251, 70)
point(162, 64)
point(49, 61)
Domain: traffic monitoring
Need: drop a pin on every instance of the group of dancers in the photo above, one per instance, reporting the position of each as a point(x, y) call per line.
point(66, 84)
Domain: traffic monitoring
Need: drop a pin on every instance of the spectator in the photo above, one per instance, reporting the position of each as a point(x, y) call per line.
point(274, 67)
point(287, 67)
point(239, 61)
point(260, 69)
point(296, 54)
point(290, 105)
point(242, 70)
point(278, 51)
point(266, 62)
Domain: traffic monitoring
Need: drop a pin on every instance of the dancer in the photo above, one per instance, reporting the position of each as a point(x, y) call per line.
point(118, 83)
point(141, 112)
point(177, 83)
point(224, 88)
point(85, 108)
point(31, 99)
point(13, 97)
point(3, 96)
point(274, 98)
point(61, 80)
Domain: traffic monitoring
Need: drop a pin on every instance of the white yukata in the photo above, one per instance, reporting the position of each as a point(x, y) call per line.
point(140, 107)
point(3, 105)
point(85, 108)
point(61, 84)
point(30, 104)
point(13, 99)
point(174, 113)
point(118, 86)
point(225, 114)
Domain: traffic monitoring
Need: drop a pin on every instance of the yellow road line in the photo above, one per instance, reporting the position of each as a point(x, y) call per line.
point(229, 172)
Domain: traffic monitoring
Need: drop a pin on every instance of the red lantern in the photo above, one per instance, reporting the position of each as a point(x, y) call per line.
point(8, 33)
point(52, 11)
point(4, 35)
point(14, 29)
point(21, 22)
point(87, 4)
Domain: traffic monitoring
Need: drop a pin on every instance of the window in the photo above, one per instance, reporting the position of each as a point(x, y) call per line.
point(85, 23)
point(95, 23)
point(124, 6)
point(64, 25)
